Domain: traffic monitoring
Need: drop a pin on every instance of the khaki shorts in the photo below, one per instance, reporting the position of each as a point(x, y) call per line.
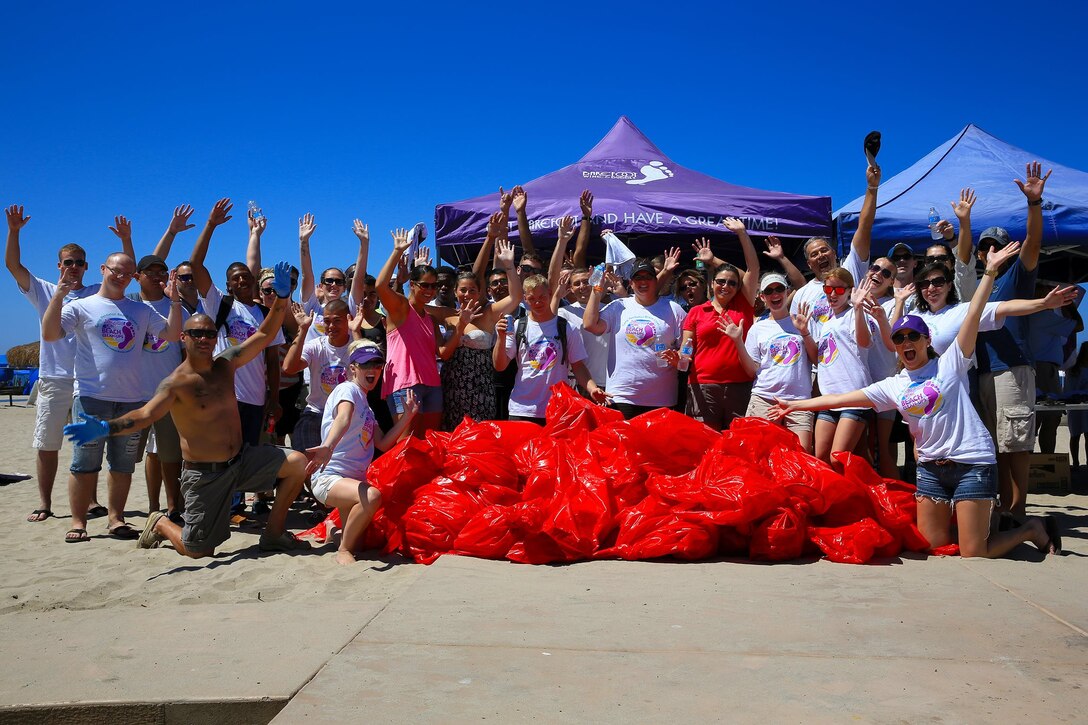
point(166, 443)
point(799, 421)
point(1008, 408)
point(53, 408)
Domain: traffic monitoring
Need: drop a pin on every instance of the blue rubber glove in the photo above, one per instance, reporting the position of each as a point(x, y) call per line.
point(91, 429)
point(281, 281)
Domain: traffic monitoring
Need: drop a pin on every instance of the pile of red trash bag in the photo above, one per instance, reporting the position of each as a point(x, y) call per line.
point(590, 485)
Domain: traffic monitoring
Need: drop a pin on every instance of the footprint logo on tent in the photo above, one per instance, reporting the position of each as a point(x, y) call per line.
point(653, 171)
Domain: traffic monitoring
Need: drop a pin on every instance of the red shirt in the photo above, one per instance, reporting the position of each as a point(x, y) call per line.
point(715, 359)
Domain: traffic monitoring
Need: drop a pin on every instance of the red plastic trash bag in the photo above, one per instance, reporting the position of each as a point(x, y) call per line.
point(474, 455)
point(779, 537)
point(568, 413)
point(436, 517)
point(664, 441)
point(852, 544)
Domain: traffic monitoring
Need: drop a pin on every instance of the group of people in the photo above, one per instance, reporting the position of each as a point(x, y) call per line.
point(359, 362)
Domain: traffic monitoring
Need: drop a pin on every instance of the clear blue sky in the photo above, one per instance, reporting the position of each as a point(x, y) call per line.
point(382, 113)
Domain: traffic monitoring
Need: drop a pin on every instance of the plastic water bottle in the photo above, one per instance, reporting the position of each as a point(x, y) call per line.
point(254, 210)
point(685, 357)
point(659, 347)
point(934, 218)
point(597, 276)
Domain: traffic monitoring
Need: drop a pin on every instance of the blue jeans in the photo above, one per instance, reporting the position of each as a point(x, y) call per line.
point(122, 452)
point(954, 482)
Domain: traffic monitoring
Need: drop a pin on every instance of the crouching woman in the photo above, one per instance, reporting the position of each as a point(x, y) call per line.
point(349, 434)
point(957, 465)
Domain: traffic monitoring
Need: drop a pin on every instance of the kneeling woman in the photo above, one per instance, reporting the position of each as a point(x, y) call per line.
point(349, 434)
point(957, 465)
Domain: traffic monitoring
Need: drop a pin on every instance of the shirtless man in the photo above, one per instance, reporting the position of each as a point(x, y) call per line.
point(199, 395)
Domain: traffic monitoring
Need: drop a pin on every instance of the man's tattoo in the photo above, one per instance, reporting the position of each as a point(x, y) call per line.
point(120, 424)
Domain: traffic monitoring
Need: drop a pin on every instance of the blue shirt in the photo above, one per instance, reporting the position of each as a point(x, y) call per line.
point(1047, 333)
point(1007, 348)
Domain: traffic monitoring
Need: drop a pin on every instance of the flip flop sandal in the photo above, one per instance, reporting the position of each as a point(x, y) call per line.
point(79, 535)
point(37, 515)
point(98, 512)
point(124, 532)
point(872, 146)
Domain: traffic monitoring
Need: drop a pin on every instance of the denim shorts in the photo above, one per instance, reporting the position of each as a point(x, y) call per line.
point(954, 482)
point(832, 416)
point(428, 396)
point(122, 452)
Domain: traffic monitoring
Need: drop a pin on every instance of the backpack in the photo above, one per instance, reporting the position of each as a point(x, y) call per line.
point(225, 305)
point(523, 323)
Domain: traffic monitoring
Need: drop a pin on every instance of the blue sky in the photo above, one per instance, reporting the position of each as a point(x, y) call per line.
point(348, 110)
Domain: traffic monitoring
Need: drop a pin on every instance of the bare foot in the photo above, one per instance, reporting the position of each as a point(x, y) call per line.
point(344, 557)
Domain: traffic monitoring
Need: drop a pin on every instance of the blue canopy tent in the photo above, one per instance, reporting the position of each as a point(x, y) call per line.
point(988, 165)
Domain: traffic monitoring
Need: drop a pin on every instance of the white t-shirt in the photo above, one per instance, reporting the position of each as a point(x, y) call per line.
point(313, 307)
point(813, 291)
point(355, 450)
point(596, 345)
point(540, 364)
point(946, 324)
point(56, 359)
point(634, 376)
point(843, 365)
point(160, 356)
point(936, 404)
point(328, 366)
point(784, 367)
point(882, 361)
point(110, 364)
point(250, 381)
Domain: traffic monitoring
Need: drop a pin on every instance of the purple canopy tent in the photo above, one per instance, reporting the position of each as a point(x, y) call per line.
point(639, 193)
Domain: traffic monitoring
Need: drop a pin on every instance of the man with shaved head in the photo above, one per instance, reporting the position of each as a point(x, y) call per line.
point(217, 462)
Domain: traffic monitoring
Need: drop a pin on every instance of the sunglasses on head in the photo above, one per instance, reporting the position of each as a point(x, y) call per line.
point(727, 282)
point(427, 285)
point(185, 278)
point(774, 289)
point(329, 281)
point(900, 337)
point(202, 334)
point(836, 289)
point(933, 282)
point(885, 273)
point(74, 263)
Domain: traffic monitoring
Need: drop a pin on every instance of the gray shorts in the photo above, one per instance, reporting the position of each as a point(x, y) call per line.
point(208, 494)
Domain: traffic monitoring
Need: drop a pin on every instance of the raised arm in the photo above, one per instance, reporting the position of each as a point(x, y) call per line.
point(968, 334)
point(12, 254)
point(750, 283)
point(306, 227)
point(853, 399)
point(525, 236)
point(292, 361)
point(253, 247)
point(179, 223)
point(1057, 297)
point(255, 344)
point(496, 229)
point(52, 330)
point(499, 358)
point(668, 268)
point(122, 229)
point(1032, 187)
point(793, 275)
point(174, 320)
point(394, 302)
point(555, 265)
point(591, 316)
point(585, 230)
point(965, 247)
point(863, 235)
point(861, 322)
point(358, 282)
point(504, 257)
point(220, 214)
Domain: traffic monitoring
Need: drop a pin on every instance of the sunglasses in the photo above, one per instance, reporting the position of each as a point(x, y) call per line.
point(774, 289)
point(900, 337)
point(74, 263)
point(267, 291)
point(330, 281)
point(118, 273)
point(498, 283)
point(522, 268)
point(185, 278)
point(885, 273)
point(691, 285)
point(932, 282)
point(984, 249)
point(426, 285)
point(202, 334)
point(901, 257)
point(943, 259)
point(830, 288)
point(725, 283)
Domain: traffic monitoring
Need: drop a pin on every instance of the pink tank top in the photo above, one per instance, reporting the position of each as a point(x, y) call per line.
point(410, 357)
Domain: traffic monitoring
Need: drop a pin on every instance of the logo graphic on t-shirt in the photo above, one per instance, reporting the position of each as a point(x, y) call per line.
point(331, 376)
point(117, 332)
point(829, 351)
point(366, 432)
point(640, 332)
point(238, 331)
point(785, 349)
point(821, 311)
point(319, 324)
point(154, 343)
point(922, 399)
point(542, 355)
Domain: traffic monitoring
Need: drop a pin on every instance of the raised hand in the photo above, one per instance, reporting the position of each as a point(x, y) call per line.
point(519, 198)
point(423, 257)
point(1033, 185)
point(281, 279)
point(501, 327)
point(672, 259)
point(16, 220)
point(170, 287)
point(568, 260)
point(774, 248)
point(306, 227)
point(402, 268)
point(946, 230)
point(122, 228)
point(996, 257)
point(362, 231)
point(586, 202)
point(563, 283)
point(400, 240)
point(1056, 297)
point(220, 213)
point(731, 329)
point(67, 281)
point(734, 225)
point(873, 308)
point(904, 293)
point(179, 222)
point(355, 323)
point(800, 318)
point(504, 253)
point(506, 198)
point(872, 177)
point(702, 250)
point(962, 208)
point(468, 312)
point(566, 228)
point(861, 291)
point(497, 225)
point(91, 429)
point(303, 319)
